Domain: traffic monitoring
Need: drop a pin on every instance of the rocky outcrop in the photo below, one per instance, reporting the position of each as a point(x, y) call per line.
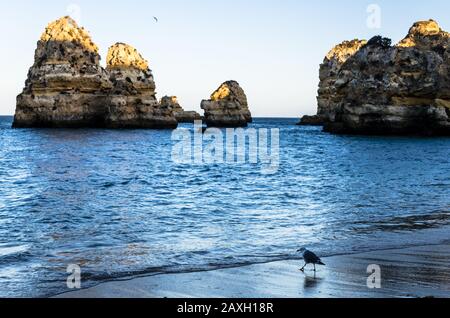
point(329, 98)
point(132, 102)
point(228, 107)
point(315, 120)
point(180, 114)
point(376, 88)
point(67, 88)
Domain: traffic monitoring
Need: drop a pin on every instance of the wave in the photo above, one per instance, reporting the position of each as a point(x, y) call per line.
point(13, 254)
point(94, 279)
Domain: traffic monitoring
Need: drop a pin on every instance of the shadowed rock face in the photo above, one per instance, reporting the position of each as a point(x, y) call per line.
point(132, 102)
point(180, 114)
point(376, 88)
point(328, 98)
point(67, 88)
point(228, 107)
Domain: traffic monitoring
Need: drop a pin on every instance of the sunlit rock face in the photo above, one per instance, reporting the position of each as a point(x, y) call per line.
point(228, 107)
point(66, 86)
point(180, 114)
point(424, 34)
point(378, 88)
point(132, 102)
point(122, 55)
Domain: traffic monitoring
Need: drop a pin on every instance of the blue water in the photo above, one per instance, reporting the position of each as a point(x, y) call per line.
point(115, 204)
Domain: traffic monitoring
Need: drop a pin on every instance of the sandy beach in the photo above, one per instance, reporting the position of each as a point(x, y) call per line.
point(410, 272)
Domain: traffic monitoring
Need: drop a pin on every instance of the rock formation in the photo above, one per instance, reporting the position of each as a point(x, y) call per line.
point(67, 87)
point(376, 88)
point(329, 70)
point(180, 114)
point(316, 120)
point(132, 102)
point(228, 107)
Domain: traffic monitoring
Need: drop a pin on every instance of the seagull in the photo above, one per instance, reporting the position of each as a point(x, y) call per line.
point(156, 19)
point(310, 258)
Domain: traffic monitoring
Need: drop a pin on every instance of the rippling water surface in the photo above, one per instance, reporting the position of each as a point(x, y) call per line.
point(114, 203)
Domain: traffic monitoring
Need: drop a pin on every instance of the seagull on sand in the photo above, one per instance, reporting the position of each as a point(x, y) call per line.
point(310, 258)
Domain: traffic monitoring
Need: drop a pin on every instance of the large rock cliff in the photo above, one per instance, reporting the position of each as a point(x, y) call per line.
point(228, 107)
point(67, 87)
point(377, 88)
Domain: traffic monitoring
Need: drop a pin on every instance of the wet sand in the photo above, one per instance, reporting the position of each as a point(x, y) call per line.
point(410, 272)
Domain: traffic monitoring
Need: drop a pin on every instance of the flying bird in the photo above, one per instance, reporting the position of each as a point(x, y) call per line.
point(310, 258)
point(156, 19)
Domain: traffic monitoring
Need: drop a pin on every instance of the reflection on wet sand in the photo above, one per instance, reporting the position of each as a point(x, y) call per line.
point(409, 272)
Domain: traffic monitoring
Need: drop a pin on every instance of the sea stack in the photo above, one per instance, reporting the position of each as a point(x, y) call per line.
point(228, 107)
point(132, 102)
point(180, 114)
point(389, 90)
point(66, 86)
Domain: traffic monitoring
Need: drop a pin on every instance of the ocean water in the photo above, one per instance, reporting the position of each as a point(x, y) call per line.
point(114, 203)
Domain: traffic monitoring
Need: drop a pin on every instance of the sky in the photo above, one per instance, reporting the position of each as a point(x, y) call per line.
point(273, 48)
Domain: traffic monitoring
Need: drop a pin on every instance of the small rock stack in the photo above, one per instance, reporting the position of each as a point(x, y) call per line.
point(132, 102)
point(180, 114)
point(228, 107)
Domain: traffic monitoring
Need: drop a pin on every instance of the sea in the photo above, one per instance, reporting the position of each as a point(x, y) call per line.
point(116, 204)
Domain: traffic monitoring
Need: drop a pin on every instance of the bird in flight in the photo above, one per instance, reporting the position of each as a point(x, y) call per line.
point(310, 258)
point(156, 19)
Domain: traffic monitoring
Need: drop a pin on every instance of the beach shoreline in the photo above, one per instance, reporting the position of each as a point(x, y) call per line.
point(412, 272)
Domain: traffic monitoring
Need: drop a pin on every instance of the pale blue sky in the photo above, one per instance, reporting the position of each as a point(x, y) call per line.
point(272, 47)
